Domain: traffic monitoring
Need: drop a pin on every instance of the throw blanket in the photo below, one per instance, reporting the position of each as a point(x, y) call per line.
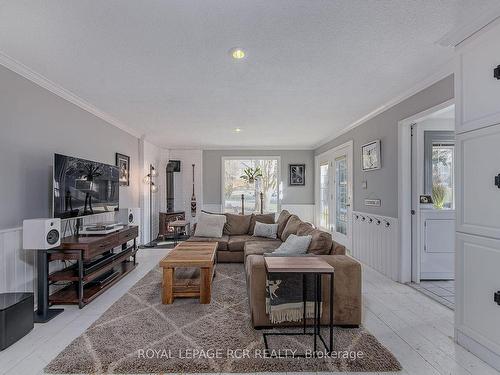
point(284, 297)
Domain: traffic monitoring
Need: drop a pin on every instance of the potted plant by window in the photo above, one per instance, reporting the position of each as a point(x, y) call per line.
point(439, 192)
point(251, 174)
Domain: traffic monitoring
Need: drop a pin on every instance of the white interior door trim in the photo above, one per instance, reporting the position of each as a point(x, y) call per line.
point(404, 187)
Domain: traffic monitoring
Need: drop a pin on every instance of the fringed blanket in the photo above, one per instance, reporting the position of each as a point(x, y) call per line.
point(284, 297)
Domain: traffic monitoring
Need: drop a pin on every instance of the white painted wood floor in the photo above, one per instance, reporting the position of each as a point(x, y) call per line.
point(418, 330)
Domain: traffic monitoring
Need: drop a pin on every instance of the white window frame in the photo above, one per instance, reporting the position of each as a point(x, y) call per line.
point(223, 174)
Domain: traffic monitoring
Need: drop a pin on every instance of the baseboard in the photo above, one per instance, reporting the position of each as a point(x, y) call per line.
point(479, 350)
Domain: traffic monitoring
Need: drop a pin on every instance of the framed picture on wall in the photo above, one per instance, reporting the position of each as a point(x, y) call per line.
point(296, 174)
point(123, 164)
point(370, 156)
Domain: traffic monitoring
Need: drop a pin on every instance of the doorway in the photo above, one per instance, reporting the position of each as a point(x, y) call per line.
point(430, 198)
point(334, 193)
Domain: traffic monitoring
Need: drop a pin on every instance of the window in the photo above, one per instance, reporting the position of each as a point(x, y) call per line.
point(324, 216)
point(249, 177)
point(442, 174)
point(439, 165)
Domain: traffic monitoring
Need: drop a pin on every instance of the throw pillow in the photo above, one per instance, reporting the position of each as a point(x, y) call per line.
point(265, 230)
point(261, 218)
point(210, 225)
point(294, 245)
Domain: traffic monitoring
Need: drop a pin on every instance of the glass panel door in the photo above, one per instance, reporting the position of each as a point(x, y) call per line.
point(334, 193)
point(324, 193)
point(341, 195)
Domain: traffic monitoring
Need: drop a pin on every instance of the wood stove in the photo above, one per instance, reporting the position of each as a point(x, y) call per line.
point(165, 230)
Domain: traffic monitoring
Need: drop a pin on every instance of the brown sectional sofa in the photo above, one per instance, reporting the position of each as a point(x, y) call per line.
point(238, 245)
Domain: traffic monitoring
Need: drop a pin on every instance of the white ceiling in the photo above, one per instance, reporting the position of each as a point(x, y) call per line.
point(163, 69)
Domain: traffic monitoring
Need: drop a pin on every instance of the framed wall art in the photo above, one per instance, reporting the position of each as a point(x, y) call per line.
point(370, 156)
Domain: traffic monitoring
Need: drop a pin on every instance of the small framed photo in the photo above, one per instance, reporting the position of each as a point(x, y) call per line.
point(123, 164)
point(370, 156)
point(296, 174)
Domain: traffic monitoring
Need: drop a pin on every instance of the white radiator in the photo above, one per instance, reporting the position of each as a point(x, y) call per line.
point(376, 242)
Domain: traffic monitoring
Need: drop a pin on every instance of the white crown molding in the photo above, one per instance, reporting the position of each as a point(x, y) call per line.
point(29, 74)
point(443, 72)
point(462, 33)
point(257, 148)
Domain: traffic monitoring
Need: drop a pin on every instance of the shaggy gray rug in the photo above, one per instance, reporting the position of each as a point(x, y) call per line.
point(138, 334)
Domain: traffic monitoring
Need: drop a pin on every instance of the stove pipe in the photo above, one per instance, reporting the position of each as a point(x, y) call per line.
point(170, 187)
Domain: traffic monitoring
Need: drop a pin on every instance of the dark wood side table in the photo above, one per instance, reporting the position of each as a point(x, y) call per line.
point(306, 266)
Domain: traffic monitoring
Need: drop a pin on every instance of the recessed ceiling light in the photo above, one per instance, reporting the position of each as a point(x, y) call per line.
point(237, 53)
point(238, 130)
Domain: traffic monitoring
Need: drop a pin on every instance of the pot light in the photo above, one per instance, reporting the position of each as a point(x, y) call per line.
point(237, 53)
point(238, 130)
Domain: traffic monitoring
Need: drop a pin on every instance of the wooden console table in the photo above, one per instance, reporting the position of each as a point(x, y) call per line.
point(97, 267)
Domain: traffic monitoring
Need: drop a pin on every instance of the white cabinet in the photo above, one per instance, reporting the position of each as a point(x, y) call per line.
point(478, 199)
point(477, 263)
point(437, 253)
point(477, 90)
point(477, 314)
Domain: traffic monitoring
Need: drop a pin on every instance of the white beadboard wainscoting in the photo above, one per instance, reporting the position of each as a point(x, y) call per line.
point(376, 242)
point(304, 211)
point(18, 266)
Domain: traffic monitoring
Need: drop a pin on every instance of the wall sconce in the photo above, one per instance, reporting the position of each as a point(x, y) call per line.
point(154, 188)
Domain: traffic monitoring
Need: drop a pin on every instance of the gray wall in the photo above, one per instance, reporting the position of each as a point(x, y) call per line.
point(35, 124)
point(212, 166)
point(383, 183)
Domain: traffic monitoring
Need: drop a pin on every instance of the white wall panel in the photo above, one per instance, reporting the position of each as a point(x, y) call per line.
point(376, 242)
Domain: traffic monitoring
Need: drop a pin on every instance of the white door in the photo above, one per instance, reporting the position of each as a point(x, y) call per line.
point(335, 193)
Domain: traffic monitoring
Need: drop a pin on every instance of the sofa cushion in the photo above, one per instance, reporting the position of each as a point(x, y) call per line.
point(261, 218)
point(222, 242)
point(282, 220)
point(237, 224)
point(237, 243)
point(291, 227)
point(261, 247)
point(321, 242)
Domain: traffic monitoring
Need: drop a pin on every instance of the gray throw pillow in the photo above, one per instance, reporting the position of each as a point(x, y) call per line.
point(210, 225)
point(265, 230)
point(294, 245)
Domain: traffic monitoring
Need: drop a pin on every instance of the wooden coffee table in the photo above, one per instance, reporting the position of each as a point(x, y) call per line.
point(189, 255)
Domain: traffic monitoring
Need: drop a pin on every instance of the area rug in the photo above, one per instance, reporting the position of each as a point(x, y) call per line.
point(138, 334)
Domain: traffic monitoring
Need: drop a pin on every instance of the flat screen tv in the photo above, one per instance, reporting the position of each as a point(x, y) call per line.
point(83, 187)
